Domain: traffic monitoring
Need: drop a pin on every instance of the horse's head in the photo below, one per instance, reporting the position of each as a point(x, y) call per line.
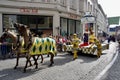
point(7, 34)
point(22, 29)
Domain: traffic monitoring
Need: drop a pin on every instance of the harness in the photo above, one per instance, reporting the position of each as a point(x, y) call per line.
point(20, 45)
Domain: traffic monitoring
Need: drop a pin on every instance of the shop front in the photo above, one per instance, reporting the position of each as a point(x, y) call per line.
point(70, 26)
point(41, 21)
point(38, 24)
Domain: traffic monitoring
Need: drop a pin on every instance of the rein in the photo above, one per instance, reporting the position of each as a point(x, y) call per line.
point(30, 41)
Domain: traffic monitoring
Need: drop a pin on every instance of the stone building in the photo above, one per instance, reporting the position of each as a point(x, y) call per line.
point(57, 17)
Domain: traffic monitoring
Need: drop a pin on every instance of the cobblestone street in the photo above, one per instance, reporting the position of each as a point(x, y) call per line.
point(64, 68)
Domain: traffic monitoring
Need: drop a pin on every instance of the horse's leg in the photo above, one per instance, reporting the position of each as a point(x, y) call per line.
point(35, 62)
point(18, 55)
point(41, 58)
point(51, 59)
point(38, 57)
point(55, 53)
point(28, 59)
point(30, 62)
point(47, 55)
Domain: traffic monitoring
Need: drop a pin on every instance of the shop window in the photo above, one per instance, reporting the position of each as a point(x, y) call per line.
point(41, 20)
point(8, 21)
point(63, 27)
point(45, 22)
point(71, 27)
point(22, 19)
point(32, 22)
point(78, 27)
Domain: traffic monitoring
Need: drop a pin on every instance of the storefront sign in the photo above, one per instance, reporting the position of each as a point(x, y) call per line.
point(26, 10)
point(73, 16)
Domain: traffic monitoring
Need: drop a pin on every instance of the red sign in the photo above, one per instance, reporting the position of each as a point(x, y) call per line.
point(73, 16)
point(26, 10)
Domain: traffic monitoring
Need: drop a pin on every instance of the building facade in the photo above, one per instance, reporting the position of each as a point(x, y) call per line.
point(57, 17)
point(100, 23)
point(114, 25)
point(42, 16)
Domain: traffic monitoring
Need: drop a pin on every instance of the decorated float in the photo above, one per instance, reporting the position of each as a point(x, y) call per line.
point(90, 44)
point(87, 48)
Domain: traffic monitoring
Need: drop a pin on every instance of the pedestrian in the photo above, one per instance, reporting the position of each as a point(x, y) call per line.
point(118, 40)
point(9, 46)
point(109, 38)
point(113, 38)
point(60, 43)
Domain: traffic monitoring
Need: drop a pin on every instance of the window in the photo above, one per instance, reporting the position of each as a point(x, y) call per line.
point(71, 27)
point(73, 4)
point(63, 2)
point(41, 20)
point(44, 22)
point(63, 26)
point(8, 21)
point(78, 27)
point(112, 29)
point(33, 21)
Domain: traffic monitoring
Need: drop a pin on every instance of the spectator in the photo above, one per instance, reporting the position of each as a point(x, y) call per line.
point(118, 39)
point(109, 39)
point(3, 46)
point(113, 38)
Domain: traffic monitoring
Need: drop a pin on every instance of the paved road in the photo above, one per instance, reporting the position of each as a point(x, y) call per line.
point(83, 68)
point(114, 72)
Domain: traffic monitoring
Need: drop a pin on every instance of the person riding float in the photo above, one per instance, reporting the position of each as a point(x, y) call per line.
point(94, 41)
point(99, 47)
point(91, 37)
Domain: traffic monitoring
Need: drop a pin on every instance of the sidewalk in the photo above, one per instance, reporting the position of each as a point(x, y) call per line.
point(113, 49)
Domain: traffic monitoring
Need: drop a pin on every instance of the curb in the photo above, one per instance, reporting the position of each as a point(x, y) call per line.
point(107, 67)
